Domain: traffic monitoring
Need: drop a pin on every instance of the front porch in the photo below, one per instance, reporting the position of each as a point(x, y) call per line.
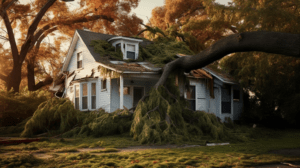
point(127, 90)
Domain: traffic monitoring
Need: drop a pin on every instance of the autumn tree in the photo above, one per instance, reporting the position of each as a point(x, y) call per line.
point(31, 23)
point(258, 71)
point(190, 21)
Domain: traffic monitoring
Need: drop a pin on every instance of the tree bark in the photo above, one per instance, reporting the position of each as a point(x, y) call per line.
point(269, 42)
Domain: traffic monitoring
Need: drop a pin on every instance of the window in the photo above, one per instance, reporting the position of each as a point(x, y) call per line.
point(93, 96)
point(130, 51)
point(77, 97)
point(79, 60)
point(236, 95)
point(103, 84)
point(190, 96)
point(84, 96)
point(71, 89)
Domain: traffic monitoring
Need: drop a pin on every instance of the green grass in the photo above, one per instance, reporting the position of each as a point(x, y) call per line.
point(238, 154)
point(107, 150)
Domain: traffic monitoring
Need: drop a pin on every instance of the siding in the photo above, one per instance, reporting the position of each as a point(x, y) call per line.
point(88, 62)
point(104, 97)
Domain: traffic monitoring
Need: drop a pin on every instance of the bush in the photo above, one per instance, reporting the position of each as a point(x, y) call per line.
point(100, 123)
point(21, 104)
point(55, 114)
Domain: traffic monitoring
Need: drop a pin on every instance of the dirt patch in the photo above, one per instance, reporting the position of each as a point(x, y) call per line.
point(287, 152)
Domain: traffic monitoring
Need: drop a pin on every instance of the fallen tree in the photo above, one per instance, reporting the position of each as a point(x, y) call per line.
point(163, 117)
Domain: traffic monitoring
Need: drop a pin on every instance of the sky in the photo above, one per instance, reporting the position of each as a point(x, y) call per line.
point(145, 7)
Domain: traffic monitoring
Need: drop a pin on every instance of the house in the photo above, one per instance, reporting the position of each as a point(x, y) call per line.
point(87, 85)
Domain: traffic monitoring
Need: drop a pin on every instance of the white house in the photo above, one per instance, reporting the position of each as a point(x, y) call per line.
point(89, 90)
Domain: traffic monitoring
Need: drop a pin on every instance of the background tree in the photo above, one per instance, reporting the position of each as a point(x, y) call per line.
point(190, 22)
point(272, 78)
point(31, 23)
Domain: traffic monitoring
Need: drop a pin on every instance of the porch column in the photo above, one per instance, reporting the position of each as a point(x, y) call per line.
point(121, 91)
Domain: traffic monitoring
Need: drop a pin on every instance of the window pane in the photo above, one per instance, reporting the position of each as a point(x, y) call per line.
point(93, 102)
point(190, 94)
point(93, 89)
point(130, 55)
point(84, 103)
point(76, 91)
point(79, 64)
point(104, 84)
point(77, 103)
point(84, 89)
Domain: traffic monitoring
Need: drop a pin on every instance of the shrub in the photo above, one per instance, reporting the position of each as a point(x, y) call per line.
point(54, 114)
point(22, 105)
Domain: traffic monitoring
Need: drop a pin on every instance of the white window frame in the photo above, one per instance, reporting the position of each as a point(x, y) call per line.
point(81, 96)
point(78, 59)
point(79, 106)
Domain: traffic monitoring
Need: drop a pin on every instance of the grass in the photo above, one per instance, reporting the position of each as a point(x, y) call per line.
point(107, 150)
point(238, 154)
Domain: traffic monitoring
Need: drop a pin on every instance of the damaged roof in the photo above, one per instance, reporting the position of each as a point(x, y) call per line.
point(88, 36)
point(210, 70)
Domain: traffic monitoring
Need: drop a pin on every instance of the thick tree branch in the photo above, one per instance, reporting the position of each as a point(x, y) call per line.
point(66, 22)
point(269, 42)
point(32, 29)
point(30, 66)
point(3, 77)
point(11, 36)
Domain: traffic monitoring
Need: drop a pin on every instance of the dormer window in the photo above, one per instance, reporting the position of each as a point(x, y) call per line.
point(128, 46)
point(79, 60)
point(130, 51)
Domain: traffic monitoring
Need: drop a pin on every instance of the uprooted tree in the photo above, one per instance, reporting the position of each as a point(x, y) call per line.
point(162, 116)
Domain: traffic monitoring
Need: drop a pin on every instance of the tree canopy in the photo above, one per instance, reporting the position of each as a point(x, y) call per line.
point(26, 26)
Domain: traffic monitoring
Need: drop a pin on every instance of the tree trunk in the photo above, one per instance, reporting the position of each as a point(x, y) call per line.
point(14, 78)
point(31, 79)
point(270, 42)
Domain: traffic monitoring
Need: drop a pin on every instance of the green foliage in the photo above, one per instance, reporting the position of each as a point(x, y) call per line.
point(54, 114)
point(105, 49)
point(25, 160)
point(172, 122)
point(160, 52)
point(164, 50)
point(16, 107)
point(100, 123)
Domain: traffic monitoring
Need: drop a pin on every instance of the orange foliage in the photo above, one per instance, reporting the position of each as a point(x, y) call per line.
point(105, 16)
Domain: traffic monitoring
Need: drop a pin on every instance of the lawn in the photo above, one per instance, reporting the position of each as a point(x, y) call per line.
point(109, 152)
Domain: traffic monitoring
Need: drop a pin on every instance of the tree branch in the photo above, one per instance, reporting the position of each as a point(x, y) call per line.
point(269, 42)
point(67, 22)
point(30, 66)
point(3, 77)
point(32, 29)
point(11, 36)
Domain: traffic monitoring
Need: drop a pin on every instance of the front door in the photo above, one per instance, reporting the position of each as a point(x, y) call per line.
point(138, 93)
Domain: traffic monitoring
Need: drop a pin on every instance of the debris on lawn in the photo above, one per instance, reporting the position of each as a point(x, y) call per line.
point(216, 144)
